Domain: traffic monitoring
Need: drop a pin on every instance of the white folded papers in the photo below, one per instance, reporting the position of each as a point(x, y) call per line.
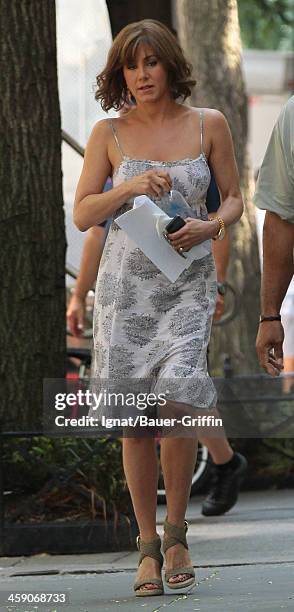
point(144, 224)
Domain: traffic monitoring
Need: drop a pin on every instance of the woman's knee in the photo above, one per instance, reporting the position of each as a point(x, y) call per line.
point(138, 441)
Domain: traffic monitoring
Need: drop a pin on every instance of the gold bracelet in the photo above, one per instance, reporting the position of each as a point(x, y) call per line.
point(222, 228)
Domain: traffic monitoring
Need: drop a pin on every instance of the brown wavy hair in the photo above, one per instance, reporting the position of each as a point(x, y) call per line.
point(111, 86)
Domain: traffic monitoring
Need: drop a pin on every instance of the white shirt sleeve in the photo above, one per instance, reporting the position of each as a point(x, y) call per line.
point(275, 184)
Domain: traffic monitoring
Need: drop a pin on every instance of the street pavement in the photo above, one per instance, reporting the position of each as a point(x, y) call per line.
point(244, 562)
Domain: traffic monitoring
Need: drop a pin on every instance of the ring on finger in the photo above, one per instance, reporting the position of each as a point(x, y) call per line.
point(181, 252)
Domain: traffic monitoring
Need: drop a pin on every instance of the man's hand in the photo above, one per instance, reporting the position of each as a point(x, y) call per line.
point(269, 346)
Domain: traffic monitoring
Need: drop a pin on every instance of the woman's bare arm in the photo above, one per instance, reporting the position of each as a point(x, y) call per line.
point(91, 255)
point(223, 164)
point(91, 205)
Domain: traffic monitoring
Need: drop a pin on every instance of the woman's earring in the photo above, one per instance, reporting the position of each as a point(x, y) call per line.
point(131, 100)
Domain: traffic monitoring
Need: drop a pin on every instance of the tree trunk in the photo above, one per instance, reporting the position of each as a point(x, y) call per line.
point(31, 218)
point(122, 12)
point(209, 35)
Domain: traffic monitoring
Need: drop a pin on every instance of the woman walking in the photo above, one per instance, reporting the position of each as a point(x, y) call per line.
point(144, 326)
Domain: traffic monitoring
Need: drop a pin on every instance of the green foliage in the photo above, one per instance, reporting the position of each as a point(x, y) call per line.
point(266, 24)
point(63, 478)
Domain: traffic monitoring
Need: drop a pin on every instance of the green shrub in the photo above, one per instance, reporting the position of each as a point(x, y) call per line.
point(61, 478)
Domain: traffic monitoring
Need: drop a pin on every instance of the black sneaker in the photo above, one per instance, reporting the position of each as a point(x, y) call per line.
point(225, 487)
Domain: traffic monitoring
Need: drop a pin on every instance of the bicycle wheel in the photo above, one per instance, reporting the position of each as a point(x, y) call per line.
point(200, 475)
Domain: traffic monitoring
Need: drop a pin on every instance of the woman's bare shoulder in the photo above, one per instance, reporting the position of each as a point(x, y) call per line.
point(101, 128)
point(212, 118)
point(211, 115)
point(215, 118)
point(100, 136)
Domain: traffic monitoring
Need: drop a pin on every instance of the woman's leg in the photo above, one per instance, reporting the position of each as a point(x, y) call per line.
point(141, 469)
point(178, 457)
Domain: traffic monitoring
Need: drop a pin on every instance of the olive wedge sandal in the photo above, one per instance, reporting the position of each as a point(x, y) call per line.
point(177, 535)
point(149, 549)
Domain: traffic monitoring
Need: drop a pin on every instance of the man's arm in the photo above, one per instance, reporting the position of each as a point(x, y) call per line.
point(278, 269)
point(278, 266)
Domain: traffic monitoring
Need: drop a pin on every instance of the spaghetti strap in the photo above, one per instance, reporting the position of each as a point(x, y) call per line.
point(201, 130)
point(116, 138)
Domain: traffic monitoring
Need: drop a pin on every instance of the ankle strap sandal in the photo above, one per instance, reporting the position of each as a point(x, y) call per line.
point(149, 549)
point(177, 535)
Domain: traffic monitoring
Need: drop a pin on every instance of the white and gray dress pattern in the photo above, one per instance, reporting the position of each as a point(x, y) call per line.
point(146, 327)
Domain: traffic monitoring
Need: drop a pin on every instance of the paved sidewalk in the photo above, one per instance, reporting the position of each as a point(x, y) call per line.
point(244, 561)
